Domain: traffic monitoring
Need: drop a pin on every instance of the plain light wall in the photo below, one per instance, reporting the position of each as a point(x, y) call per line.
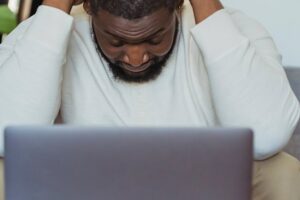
point(281, 18)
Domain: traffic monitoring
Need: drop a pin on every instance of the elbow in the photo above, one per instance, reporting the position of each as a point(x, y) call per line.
point(271, 144)
point(272, 137)
point(263, 152)
point(268, 143)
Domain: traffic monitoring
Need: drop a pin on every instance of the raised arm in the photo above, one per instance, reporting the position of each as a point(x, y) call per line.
point(248, 83)
point(31, 61)
point(205, 8)
point(64, 5)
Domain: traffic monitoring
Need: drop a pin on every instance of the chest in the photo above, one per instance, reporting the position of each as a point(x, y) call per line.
point(180, 96)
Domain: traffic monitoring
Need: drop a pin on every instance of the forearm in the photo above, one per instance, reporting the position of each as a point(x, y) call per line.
point(248, 84)
point(205, 8)
point(31, 62)
point(64, 5)
point(249, 91)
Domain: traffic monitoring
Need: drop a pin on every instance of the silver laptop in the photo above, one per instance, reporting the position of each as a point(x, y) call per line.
point(84, 163)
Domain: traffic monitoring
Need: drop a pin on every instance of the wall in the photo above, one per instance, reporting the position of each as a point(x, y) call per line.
point(282, 20)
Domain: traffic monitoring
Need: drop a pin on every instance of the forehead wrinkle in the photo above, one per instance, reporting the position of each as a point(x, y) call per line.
point(140, 26)
point(145, 26)
point(141, 32)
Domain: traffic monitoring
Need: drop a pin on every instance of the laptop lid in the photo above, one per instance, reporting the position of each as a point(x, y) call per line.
point(76, 163)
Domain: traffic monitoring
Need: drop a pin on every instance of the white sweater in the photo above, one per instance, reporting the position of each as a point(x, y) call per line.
point(224, 71)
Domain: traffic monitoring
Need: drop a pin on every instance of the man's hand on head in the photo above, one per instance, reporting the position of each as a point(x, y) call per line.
point(205, 8)
point(64, 5)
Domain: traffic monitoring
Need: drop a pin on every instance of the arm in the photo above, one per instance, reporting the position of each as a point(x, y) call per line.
point(31, 61)
point(249, 86)
point(205, 8)
point(63, 5)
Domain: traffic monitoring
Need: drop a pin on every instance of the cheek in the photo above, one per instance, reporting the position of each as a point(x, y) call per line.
point(109, 51)
point(161, 49)
point(164, 47)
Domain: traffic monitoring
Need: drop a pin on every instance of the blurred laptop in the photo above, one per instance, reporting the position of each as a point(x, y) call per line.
point(84, 163)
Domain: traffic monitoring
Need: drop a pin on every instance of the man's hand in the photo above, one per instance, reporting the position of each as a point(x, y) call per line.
point(64, 5)
point(205, 8)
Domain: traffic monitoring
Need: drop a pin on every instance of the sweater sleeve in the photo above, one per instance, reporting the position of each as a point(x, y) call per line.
point(31, 61)
point(248, 83)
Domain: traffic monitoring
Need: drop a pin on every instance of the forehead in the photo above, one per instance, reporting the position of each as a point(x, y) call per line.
point(108, 23)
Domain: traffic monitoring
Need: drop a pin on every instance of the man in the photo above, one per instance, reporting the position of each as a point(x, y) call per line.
point(154, 63)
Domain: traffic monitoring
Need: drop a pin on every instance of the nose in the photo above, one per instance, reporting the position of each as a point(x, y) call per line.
point(135, 56)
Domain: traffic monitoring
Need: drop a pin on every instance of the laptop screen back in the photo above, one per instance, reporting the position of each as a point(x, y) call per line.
point(73, 163)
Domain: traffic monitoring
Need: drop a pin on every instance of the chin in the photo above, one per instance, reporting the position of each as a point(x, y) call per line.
point(136, 74)
point(147, 75)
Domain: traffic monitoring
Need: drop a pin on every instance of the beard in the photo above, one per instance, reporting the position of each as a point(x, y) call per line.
point(150, 74)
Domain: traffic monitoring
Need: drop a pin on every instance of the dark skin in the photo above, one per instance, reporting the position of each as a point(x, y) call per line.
point(135, 43)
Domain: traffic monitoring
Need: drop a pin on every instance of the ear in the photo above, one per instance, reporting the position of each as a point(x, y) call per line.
point(87, 7)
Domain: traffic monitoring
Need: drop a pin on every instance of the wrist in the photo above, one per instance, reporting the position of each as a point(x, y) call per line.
point(64, 5)
point(205, 8)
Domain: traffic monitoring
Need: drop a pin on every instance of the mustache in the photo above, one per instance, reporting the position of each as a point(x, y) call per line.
point(151, 73)
point(153, 60)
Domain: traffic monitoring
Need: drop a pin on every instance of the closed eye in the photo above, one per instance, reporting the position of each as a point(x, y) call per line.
point(155, 41)
point(117, 43)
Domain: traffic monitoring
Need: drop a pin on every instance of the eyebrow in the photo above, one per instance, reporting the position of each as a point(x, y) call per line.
point(150, 36)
